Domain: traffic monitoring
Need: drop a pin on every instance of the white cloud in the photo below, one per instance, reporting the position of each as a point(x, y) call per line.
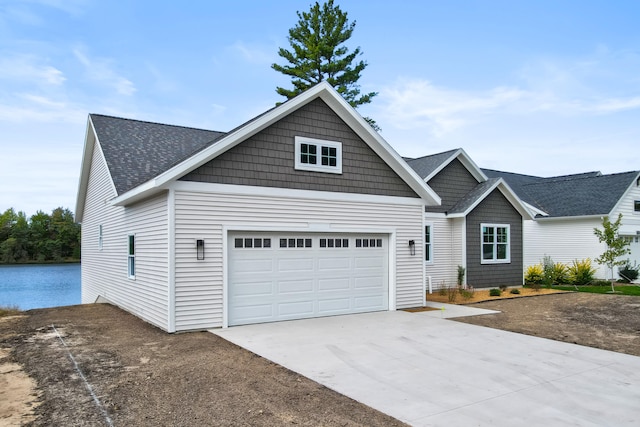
point(256, 54)
point(37, 108)
point(100, 69)
point(28, 68)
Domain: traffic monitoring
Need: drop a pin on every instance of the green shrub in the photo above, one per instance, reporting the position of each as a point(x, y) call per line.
point(559, 274)
point(461, 271)
point(503, 287)
point(534, 275)
point(515, 291)
point(495, 292)
point(628, 273)
point(467, 293)
point(581, 272)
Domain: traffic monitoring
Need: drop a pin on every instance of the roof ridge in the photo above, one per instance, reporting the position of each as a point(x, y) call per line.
point(432, 155)
point(155, 123)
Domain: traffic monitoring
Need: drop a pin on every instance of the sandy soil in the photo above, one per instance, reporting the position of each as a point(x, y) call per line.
point(142, 376)
point(480, 295)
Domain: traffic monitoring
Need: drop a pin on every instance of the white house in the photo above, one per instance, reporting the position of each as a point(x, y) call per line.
point(303, 211)
point(568, 208)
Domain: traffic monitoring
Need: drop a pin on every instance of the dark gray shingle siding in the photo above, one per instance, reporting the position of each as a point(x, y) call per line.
point(267, 159)
point(494, 209)
point(452, 184)
point(137, 151)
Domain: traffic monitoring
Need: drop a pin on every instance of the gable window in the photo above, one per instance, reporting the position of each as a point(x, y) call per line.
point(495, 243)
point(100, 237)
point(132, 256)
point(428, 245)
point(636, 206)
point(318, 155)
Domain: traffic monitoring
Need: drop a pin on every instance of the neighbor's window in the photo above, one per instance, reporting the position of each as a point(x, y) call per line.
point(636, 206)
point(318, 155)
point(495, 243)
point(428, 245)
point(132, 256)
point(100, 237)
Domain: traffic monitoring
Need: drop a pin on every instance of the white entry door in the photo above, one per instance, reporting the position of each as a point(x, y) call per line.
point(285, 276)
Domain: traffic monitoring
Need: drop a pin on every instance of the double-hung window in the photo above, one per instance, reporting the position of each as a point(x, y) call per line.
point(495, 242)
point(132, 256)
point(318, 155)
point(428, 243)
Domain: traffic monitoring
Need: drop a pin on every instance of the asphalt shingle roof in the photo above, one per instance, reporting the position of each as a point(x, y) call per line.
point(589, 193)
point(425, 166)
point(137, 151)
point(472, 196)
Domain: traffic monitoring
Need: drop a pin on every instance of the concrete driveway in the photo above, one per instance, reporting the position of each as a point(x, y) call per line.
point(428, 371)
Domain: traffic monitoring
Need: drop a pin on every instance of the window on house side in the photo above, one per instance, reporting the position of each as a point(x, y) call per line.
point(132, 256)
point(636, 206)
point(495, 244)
point(318, 155)
point(428, 254)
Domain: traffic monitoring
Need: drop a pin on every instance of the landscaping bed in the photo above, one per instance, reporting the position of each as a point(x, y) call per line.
point(479, 295)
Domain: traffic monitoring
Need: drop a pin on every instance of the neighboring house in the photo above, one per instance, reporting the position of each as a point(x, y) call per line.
point(568, 208)
point(478, 225)
point(304, 211)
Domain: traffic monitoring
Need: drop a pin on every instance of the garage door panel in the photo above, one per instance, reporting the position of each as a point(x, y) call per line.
point(334, 305)
point(296, 309)
point(295, 264)
point(255, 288)
point(334, 284)
point(305, 275)
point(335, 263)
point(295, 286)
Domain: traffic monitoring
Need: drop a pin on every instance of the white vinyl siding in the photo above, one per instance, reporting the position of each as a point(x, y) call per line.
point(199, 285)
point(105, 272)
point(563, 240)
point(447, 237)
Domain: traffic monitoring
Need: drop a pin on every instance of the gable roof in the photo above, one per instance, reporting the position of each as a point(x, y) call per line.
point(145, 158)
point(585, 194)
point(429, 166)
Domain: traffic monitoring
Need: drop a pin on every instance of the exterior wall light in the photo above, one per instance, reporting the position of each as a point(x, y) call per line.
point(200, 249)
point(412, 247)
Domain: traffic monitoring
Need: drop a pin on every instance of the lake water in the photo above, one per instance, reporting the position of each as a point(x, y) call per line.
point(39, 286)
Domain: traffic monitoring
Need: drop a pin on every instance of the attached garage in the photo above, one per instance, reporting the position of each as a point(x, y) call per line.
point(285, 276)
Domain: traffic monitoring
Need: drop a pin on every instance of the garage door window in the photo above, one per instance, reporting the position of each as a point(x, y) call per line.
point(334, 243)
point(295, 242)
point(368, 243)
point(249, 242)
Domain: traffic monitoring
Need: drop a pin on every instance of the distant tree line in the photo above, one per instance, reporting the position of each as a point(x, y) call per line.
point(40, 238)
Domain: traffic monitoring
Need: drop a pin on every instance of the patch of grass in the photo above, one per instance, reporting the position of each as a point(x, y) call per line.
point(623, 290)
point(11, 310)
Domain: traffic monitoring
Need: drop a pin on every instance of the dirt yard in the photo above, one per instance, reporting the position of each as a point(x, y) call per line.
point(142, 376)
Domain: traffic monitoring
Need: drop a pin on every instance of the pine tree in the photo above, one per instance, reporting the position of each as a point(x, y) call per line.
point(318, 54)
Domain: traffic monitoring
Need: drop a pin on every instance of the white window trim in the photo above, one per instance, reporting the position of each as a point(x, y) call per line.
point(431, 252)
point(131, 259)
point(495, 243)
point(319, 143)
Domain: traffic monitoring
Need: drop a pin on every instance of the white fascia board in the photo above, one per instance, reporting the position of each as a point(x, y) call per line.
point(570, 218)
point(507, 192)
point(335, 101)
point(534, 211)
point(627, 191)
point(248, 190)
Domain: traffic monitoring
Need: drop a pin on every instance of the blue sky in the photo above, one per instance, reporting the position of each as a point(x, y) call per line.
point(536, 87)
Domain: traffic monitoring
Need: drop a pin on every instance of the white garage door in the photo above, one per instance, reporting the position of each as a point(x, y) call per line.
point(281, 276)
